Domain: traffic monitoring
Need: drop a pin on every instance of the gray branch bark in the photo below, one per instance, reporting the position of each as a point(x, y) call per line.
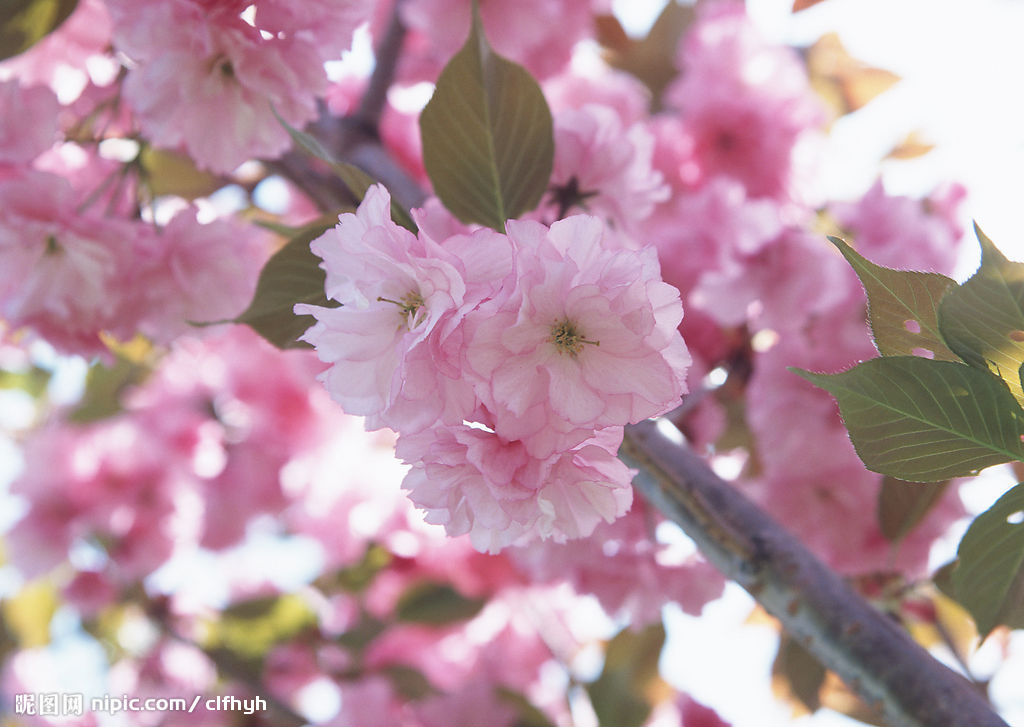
point(868, 650)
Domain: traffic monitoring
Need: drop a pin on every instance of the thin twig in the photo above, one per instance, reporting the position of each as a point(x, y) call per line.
point(386, 56)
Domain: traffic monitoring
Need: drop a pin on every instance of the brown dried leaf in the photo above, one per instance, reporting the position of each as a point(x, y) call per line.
point(912, 146)
point(837, 696)
point(797, 677)
point(845, 83)
point(651, 59)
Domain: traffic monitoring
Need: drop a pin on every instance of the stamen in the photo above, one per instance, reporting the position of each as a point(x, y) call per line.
point(568, 339)
point(410, 305)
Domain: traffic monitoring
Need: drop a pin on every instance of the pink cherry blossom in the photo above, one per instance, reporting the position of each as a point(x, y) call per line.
point(403, 298)
point(723, 228)
point(369, 702)
point(604, 167)
point(801, 464)
point(101, 185)
point(59, 269)
point(771, 288)
point(473, 481)
point(207, 80)
point(72, 49)
point(744, 102)
point(903, 232)
point(539, 34)
point(234, 410)
point(608, 87)
point(629, 572)
point(30, 122)
point(195, 272)
point(326, 24)
point(108, 485)
point(586, 340)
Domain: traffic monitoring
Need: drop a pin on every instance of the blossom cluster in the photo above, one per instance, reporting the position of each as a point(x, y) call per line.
point(508, 364)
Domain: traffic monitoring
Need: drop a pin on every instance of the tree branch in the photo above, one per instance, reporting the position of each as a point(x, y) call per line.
point(871, 653)
point(386, 59)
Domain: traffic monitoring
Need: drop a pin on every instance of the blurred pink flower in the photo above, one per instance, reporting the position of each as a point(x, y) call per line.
point(29, 125)
point(745, 103)
point(538, 34)
point(470, 480)
point(625, 567)
point(60, 270)
point(84, 36)
point(207, 80)
point(192, 272)
point(903, 232)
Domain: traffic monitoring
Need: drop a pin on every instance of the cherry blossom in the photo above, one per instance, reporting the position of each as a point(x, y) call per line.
point(903, 232)
point(402, 299)
point(77, 49)
point(548, 358)
point(630, 573)
point(30, 122)
point(192, 272)
point(472, 481)
point(538, 33)
point(207, 80)
point(603, 168)
point(60, 267)
point(744, 102)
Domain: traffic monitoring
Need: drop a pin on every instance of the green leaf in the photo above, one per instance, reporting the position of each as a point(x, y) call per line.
point(902, 306)
point(104, 386)
point(925, 421)
point(354, 178)
point(983, 319)
point(527, 715)
point(436, 604)
point(292, 275)
point(251, 628)
point(362, 634)
point(902, 505)
point(27, 614)
point(33, 380)
point(358, 576)
point(410, 683)
point(25, 22)
point(624, 694)
point(488, 143)
point(989, 575)
point(171, 173)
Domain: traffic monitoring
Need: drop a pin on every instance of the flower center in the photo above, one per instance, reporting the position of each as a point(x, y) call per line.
point(410, 305)
point(222, 65)
point(568, 338)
